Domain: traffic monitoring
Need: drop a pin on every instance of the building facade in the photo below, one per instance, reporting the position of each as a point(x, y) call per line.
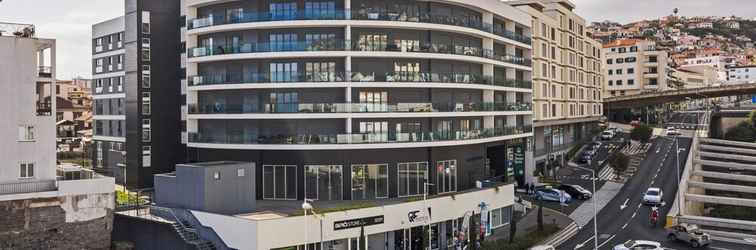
point(360, 100)
point(137, 92)
point(567, 78)
point(634, 67)
point(41, 209)
point(741, 74)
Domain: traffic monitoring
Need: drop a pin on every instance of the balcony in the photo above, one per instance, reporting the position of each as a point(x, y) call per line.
point(356, 108)
point(405, 77)
point(359, 14)
point(357, 138)
point(347, 45)
point(27, 187)
point(44, 71)
point(44, 108)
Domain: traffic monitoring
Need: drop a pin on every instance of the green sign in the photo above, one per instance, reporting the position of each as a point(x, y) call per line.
point(519, 160)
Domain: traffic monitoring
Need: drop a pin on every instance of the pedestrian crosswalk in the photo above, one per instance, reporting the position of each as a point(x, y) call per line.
point(607, 173)
point(635, 148)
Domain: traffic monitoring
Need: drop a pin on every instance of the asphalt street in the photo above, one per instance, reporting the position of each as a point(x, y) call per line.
point(625, 218)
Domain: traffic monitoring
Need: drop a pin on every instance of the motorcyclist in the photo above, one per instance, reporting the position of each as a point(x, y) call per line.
point(654, 214)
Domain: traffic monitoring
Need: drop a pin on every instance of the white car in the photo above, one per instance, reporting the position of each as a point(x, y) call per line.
point(639, 244)
point(672, 131)
point(653, 196)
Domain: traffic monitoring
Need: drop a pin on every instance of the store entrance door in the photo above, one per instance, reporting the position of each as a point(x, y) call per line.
point(409, 239)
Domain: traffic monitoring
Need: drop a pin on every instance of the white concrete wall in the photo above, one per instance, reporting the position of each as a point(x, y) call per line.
point(266, 234)
point(18, 76)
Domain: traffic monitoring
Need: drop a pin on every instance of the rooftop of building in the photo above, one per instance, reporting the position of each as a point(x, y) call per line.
point(622, 43)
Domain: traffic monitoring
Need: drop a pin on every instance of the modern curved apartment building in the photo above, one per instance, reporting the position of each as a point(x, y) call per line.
point(360, 100)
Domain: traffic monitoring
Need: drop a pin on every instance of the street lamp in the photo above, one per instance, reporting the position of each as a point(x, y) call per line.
point(595, 211)
point(425, 205)
point(306, 205)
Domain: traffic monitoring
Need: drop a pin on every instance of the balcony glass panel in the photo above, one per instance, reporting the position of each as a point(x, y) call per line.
point(222, 108)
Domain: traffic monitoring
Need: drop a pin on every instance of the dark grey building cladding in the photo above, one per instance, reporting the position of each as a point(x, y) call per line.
point(470, 159)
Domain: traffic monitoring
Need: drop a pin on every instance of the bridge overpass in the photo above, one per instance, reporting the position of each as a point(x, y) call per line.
point(660, 97)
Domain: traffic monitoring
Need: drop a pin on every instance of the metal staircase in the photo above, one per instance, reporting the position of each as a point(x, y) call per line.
point(189, 234)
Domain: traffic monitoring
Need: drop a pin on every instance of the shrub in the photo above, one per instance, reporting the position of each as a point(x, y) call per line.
point(641, 133)
point(619, 162)
point(744, 132)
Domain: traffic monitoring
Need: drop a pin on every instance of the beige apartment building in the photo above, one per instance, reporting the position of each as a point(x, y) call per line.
point(634, 67)
point(567, 79)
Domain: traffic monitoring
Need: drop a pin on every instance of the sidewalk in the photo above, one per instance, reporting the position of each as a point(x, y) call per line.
point(583, 214)
point(530, 220)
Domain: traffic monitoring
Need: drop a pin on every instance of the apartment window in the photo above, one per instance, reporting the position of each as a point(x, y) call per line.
point(318, 9)
point(283, 42)
point(279, 182)
point(544, 50)
point(376, 101)
point(145, 54)
point(374, 131)
point(444, 129)
point(284, 102)
point(609, 61)
point(553, 53)
point(545, 110)
point(240, 172)
point(283, 11)
point(611, 82)
point(553, 91)
point(553, 34)
point(412, 178)
point(146, 135)
point(553, 72)
point(373, 42)
point(146, 103)
point(146, 81)
point(216, 175)
point(323, 182)
point(544, 70)
point(553, 110)
point(283, 72)
point(620, 60)
point(544, 90)
point(630, 82)
point(446, 176)
point(320, 71)
point(145, 28)
point(631, 70)
point(653, 81)
point(630, 59)
point(26, 133)
point(544, 30)
point(619, 82)
point(26, 170)
point(611, 72)
point(369, 181)
point(619, 71)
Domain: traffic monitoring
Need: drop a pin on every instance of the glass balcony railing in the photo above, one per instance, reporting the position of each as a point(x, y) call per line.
point(280, 108)
point(358, 14)
point(346, 45)
point(291, 77)
point(356, 138)
point(251, 17)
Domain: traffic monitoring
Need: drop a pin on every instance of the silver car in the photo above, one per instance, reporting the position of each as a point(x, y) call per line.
point(690, 234)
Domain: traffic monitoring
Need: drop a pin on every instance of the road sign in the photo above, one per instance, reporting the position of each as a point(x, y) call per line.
point(753, 99)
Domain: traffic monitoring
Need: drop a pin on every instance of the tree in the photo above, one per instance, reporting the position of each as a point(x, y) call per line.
point(619, 162)
point(641, 133)
point(752, 118)
point(744, 132)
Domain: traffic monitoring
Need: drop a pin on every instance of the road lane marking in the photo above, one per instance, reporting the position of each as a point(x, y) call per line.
point(584, 242)
point(634, 214)
point(607, 241)
point(624, 205)
point(624, 226)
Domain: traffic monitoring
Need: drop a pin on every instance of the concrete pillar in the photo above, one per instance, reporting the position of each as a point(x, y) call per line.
point(488, 17)
point(348, 36)
point(348, 8)
point(488, 121)
point(348, 125)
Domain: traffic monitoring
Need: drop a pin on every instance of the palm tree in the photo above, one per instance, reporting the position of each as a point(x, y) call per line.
point(675, 10)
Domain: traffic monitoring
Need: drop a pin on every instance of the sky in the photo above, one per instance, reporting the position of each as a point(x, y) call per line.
point(70, 21)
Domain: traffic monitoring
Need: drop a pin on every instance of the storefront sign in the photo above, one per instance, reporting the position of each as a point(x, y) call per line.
point(367, 221)
point(417, 216)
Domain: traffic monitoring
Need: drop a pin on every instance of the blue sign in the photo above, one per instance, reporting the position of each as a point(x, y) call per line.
point(753, 99)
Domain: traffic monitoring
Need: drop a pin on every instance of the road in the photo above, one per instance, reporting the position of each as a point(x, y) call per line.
point(625, 218)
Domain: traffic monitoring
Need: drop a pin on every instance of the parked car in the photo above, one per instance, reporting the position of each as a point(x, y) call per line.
point(576, 191)
point(672, 131)
point(690, 234)
point(639, 244)
point(616, 130)
point(595, 145)
point(607, 135)
point(582, 158)
point(551, 194)
point(653, 196)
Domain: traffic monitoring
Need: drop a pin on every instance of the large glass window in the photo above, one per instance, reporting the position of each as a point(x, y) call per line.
point(369, 181)
point(374, 101)
point(373, 42)
point(283, 11)
point(376, 131)
point(283, 72)
point(320, 71)
point(444, 129)
point(279, 182)
point(446, 180)
point(284, 102)
point(283, 42)
point(320, 9)
point(323, 182)
point(412, 178)
point(320, 41)
point(406, 71)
